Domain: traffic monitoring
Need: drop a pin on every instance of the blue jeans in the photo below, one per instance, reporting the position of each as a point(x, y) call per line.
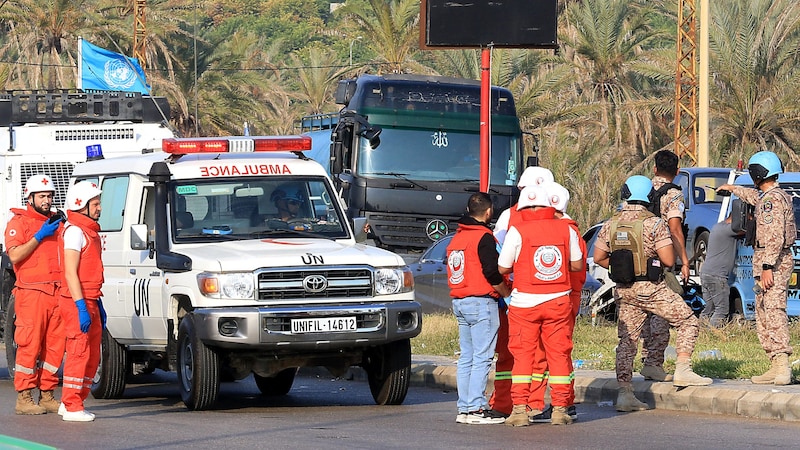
point(478, 322)
point(716, 294)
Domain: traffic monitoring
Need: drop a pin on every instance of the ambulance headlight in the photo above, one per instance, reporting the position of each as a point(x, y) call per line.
point(393, 281)
point(236, 286)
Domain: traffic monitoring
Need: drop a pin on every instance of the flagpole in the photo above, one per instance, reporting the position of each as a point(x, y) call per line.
point(79, 84)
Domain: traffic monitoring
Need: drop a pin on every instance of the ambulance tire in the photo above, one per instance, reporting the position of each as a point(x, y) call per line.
point(198, 368)
point(113, 369)
point(388, 370)
point(8, 337)
point(277, 385)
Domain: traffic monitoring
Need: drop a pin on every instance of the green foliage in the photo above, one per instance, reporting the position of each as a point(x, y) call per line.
point(742, 355)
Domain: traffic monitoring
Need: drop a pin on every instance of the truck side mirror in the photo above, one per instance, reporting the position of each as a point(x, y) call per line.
point(359, 224)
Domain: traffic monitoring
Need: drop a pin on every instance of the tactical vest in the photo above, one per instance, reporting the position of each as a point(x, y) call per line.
point(628, 261)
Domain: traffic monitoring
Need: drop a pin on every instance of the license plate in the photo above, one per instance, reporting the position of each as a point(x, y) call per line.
point(323, 325)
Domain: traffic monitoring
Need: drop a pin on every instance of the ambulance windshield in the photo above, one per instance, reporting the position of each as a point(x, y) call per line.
point(253, 208)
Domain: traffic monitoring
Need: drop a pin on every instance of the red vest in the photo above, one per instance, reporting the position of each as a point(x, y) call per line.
point(464, 270)
point(514, 217)
point(543, 263)
point(577, 279)
point(41, 269)
point(90, 268)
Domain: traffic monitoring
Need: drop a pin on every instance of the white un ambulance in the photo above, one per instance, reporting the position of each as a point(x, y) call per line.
point(207, 274)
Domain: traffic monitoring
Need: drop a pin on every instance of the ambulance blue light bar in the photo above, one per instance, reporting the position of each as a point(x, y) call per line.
point(236, 144)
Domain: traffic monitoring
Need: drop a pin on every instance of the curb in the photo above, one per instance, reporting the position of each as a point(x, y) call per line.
point(724, 397)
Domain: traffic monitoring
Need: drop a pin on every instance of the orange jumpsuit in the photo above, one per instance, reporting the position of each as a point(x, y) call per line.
point(39, 332)
point(83, 349)
point(548, 322)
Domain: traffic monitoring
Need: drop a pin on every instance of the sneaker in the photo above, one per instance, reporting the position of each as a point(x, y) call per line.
point(62, 409)
point(485, 416)
point(77, 416)
point(572, 412)
point(542, 417)
point(461, 418)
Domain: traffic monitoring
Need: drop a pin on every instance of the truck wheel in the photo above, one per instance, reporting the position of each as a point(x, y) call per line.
point(279, 384)
point(198, 368)
point(389, 371)
point(700, 248)
point(113, 369)
point(8, 337)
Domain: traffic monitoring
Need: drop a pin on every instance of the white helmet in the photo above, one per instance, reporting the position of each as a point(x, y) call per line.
point(535, 175)
point(38, 183)
point(558, 196)
point(533, 195)
point(79, 194)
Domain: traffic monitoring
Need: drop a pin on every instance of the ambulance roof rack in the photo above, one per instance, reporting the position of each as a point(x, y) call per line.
point(74, 105)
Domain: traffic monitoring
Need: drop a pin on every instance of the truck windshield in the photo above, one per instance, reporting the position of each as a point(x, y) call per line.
point(427, 155)
point(251, 208)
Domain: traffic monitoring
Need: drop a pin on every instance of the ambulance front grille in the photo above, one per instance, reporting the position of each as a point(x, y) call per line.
point(302, 283)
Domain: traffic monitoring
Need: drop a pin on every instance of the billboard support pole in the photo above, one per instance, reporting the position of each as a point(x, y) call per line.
point(485, 116)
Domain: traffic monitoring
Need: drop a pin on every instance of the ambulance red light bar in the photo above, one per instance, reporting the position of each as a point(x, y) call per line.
point(236, 144)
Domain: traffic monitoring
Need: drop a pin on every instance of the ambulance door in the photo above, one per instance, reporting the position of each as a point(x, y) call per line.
point(113, 201)
point(145, 306)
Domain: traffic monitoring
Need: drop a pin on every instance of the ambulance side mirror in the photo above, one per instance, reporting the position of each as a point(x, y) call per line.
point(139, 238)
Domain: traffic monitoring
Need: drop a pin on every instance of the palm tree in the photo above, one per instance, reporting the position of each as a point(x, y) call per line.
point(39, 39)
point(755, 91)
point(390, 29)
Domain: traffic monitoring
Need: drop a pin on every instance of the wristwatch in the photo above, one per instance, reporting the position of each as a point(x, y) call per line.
point(767, 267)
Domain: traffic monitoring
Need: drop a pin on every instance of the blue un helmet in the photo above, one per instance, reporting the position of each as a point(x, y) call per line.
point(763, 165)
point(637, 188)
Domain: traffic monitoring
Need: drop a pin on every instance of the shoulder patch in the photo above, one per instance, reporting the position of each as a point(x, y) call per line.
point(767, 218)
point(766, 206)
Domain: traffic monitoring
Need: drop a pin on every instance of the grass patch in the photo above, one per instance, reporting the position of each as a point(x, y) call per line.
point(742, 356)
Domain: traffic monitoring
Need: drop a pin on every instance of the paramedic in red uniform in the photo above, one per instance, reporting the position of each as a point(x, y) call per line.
point(81, 308)
point(540, 251)
point(33, 250)
point(501, 396)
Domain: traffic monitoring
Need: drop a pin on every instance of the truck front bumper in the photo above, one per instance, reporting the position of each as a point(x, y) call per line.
point(270, 328)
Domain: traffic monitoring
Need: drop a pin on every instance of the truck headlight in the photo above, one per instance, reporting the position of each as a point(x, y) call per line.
point(237, 286)
point(393, 281)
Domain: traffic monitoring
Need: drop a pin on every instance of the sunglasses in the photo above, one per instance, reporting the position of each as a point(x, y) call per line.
point(294, 202)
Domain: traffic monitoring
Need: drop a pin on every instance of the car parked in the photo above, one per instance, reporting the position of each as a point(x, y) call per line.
point(430, 279)
point(703, 204)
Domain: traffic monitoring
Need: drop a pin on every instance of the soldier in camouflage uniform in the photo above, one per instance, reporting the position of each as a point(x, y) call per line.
point(772, 261)
point(655, 333)
point(642, 297)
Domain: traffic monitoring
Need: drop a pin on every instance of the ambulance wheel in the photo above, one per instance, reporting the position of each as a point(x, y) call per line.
point(198, 368)
point(388, 370)
point(279, 384)
point(8, 337)
point(113, 369)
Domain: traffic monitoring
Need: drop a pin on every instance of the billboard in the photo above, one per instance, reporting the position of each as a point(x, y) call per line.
point(480, 23)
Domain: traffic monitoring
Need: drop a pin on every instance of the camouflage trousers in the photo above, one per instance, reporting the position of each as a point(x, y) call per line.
point(638, 300)
point(655, 337)
point(772, 323)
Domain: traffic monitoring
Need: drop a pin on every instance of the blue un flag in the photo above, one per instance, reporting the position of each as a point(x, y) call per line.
point(108, 71)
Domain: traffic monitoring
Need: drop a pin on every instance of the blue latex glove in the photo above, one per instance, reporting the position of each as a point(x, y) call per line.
point(103, 317)
point(83, 315)
point(47, 229)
